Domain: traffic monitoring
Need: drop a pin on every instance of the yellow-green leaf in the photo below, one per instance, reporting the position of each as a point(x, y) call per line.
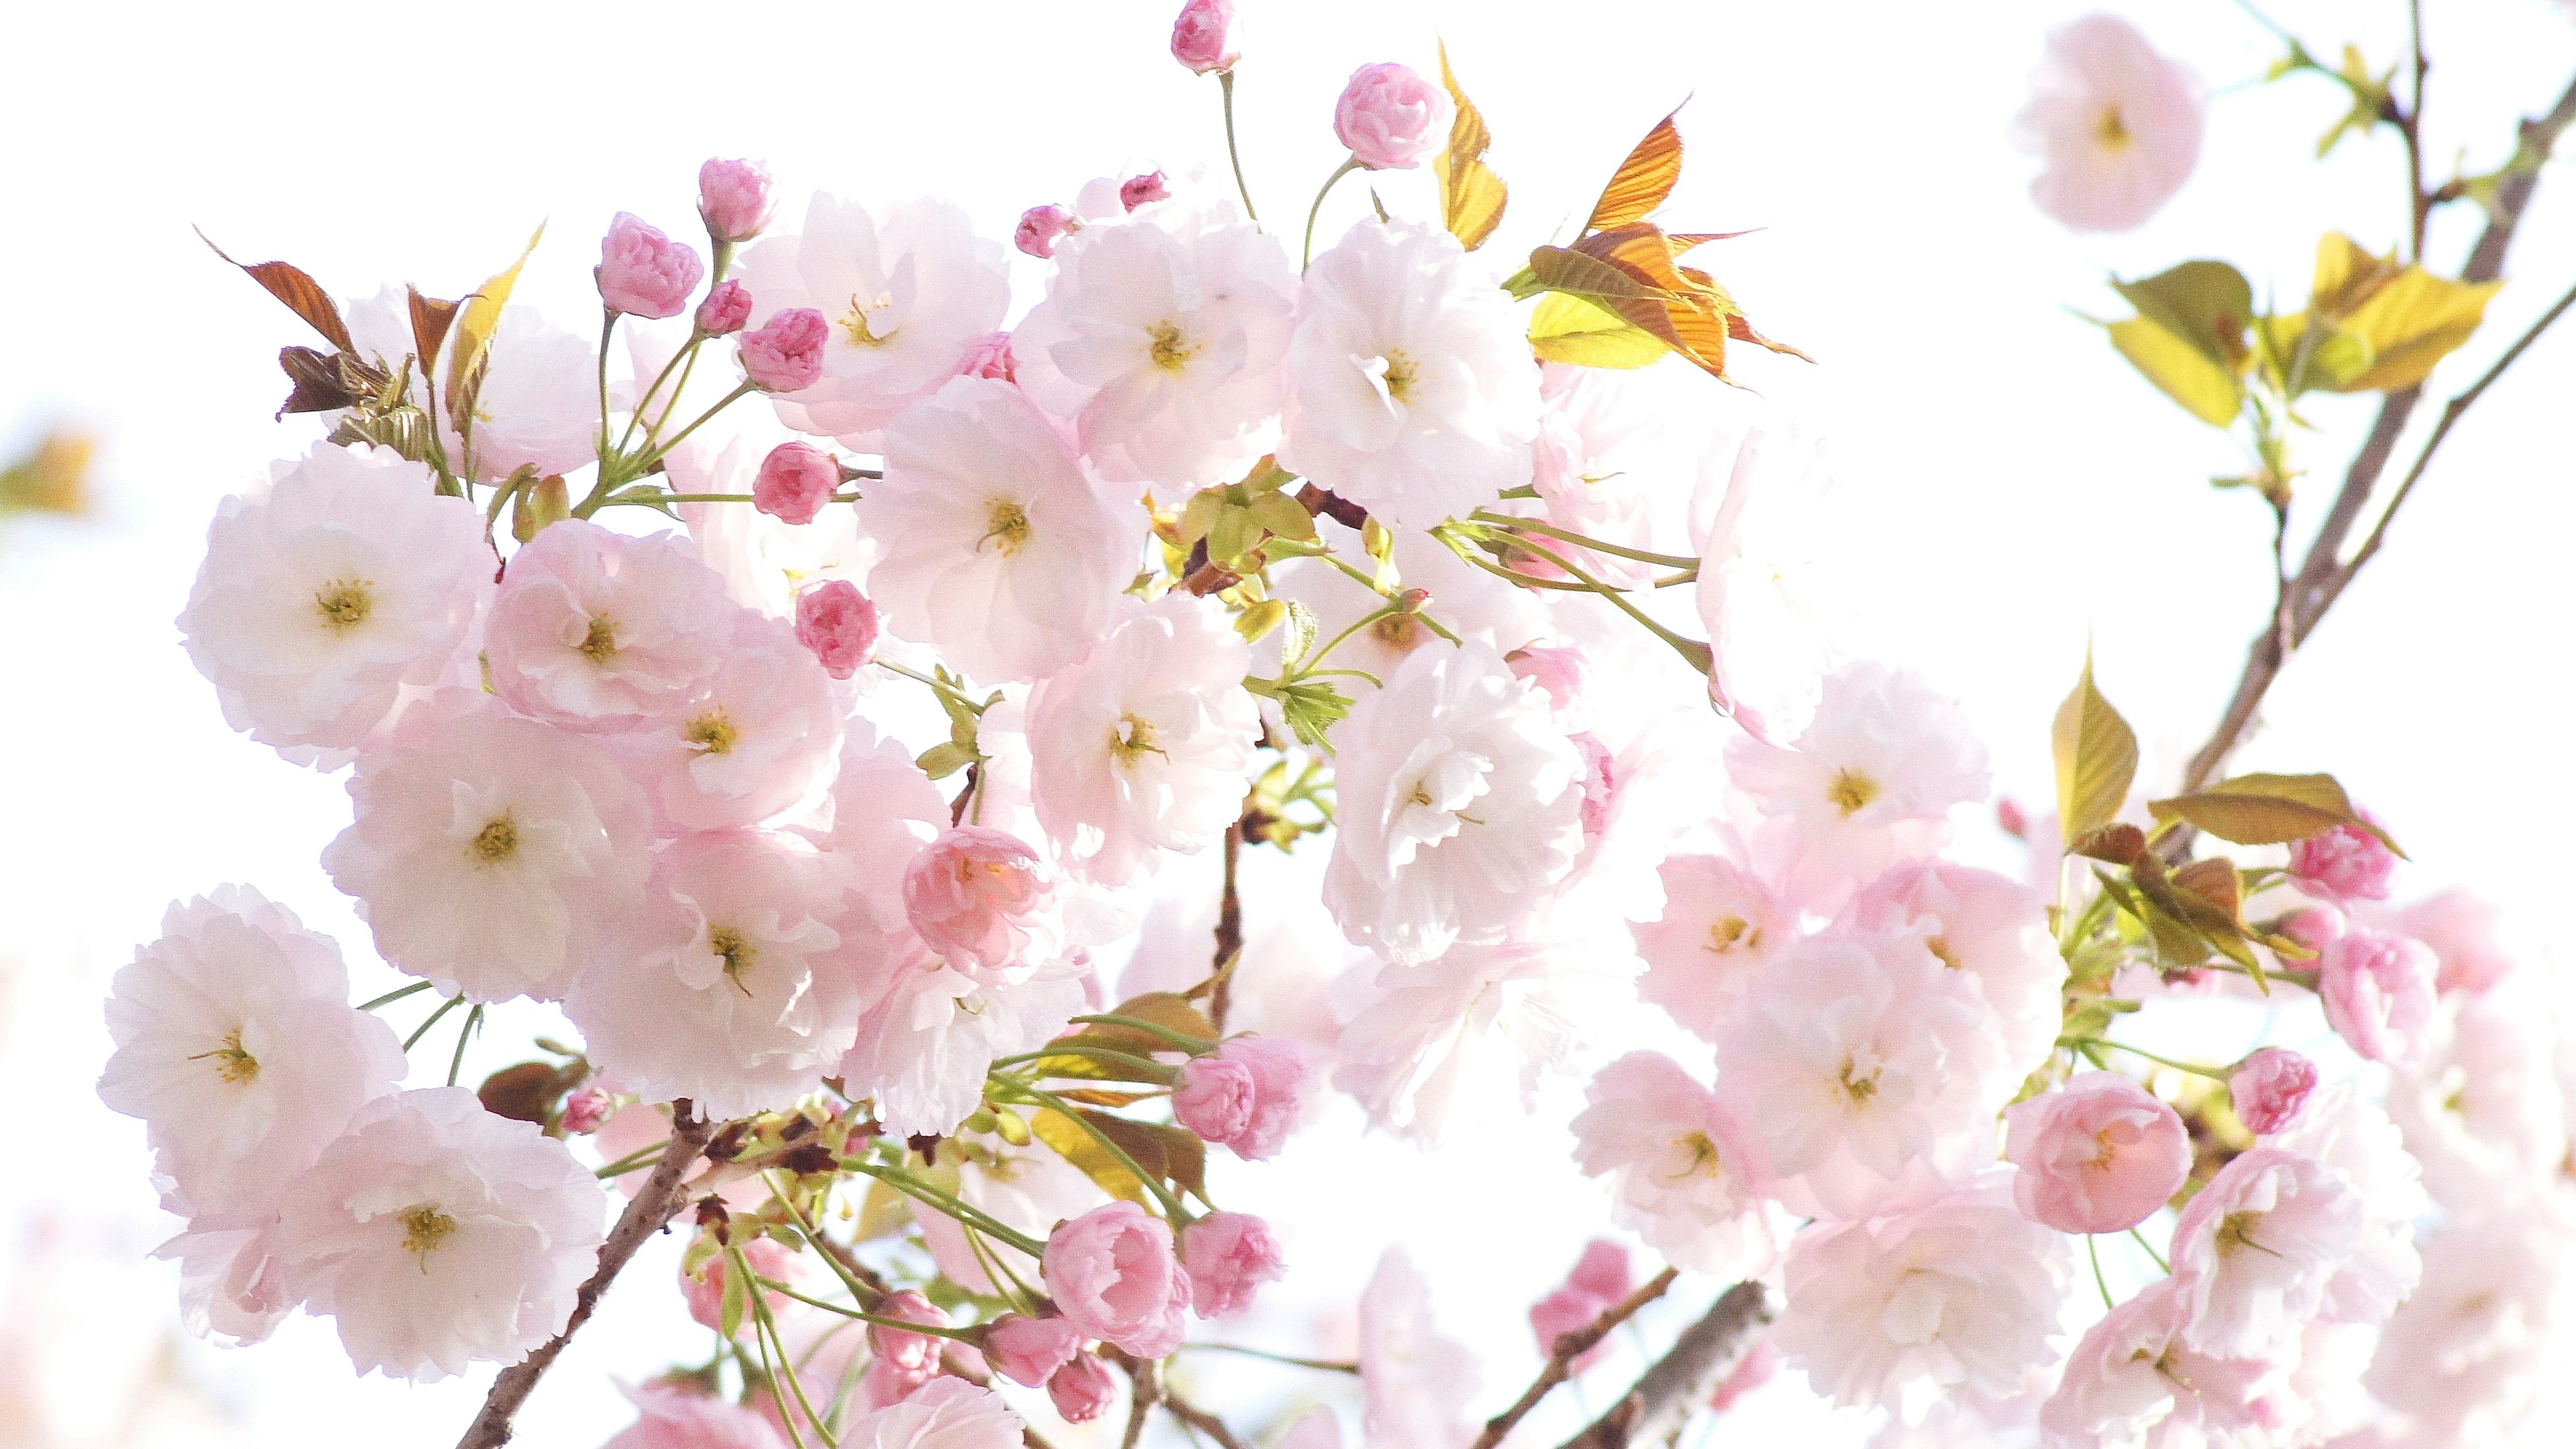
point(2412, 323)
point(1571, 330)
point(1080, 1148)
point(2206, 304)
point(1642, 181)
point(2267, 809)
point(2206, 390)
point(1472, 197)
point(2097, 757)
point(472, 330)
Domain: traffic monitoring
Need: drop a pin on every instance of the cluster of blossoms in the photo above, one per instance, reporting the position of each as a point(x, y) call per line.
point(1209, 551)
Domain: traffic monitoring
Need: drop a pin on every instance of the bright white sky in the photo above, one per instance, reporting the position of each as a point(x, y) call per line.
point(2010, 486)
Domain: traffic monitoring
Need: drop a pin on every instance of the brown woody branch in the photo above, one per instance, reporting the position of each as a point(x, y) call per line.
point(655, 1204)
point(1687, 1376)
point(1567, 1348)
point(2325, 574)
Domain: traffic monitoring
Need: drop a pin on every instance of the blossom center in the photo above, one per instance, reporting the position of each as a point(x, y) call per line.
point(599, 643)
point(1939, 946)
point(1006, 526)
point(1399, 375)
point(424, 1228)
point(1172, 352)
point(1696, 1153)
point(1860, 1077)
point(711, 733)
point(2112, 130)
point(1132, 737)
point(2236, 1230)
point(1728, 932)
point(1849, 790)
point(232, 1063)
point(735, 950)
point(344, 604)
point(855, 324)
point(495, 842)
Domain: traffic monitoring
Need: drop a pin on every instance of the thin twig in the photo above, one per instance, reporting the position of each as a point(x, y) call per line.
point(1686, 1376)
point(654, 1205)
point(1229, 933)
point(1569, 1347)
point(1200, 1419)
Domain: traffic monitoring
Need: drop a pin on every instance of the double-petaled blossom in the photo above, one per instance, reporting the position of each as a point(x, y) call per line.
point(1203, 37)
point(1416, 1382)
point(945, 1413)
point(758, 736)
point(2268, 1089)
point(1246, 1095)
point(604, 632)
point(1390, 117)
point(1228, 1257)
point(644, 273)
point(983, 898)
point(1721, 923)
point(2483, 1110)
point(2379, 994)
point(2097, 1155)
point(1601, 1277)
point(331, 595)
point(2256, 1251)
point(2345, 864)
point(2134, 1382)
point(1681, 1173)
point(1883, 761)
point(734, 198)
point(1113, 1275)
point(676, 1416)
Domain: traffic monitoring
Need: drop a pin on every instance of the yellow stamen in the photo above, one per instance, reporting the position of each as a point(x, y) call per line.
point(424, 1228)
point(1850, 790)
point(1400, 373)
point(1006, 526)
point(232, 1063)
point(854, 325)
point(712, 733)
point(599, 645)
point(344, 604)
point(495, 842)
point(1171, 351)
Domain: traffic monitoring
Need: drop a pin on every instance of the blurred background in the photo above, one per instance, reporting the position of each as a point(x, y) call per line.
point(2010, 487)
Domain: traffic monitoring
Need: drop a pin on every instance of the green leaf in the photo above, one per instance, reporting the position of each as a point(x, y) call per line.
point(2206, 304)
point(2097, 758)
point(2206, 389)
point(1571, 330)
point(1472, 197)
point(2268, 809)
point(1300, 638)
point(729, 1311)
point(945, 759)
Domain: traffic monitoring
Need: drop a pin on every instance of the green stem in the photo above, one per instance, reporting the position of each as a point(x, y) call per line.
point(2159, 1258)
point(1156, 1071)
point(1370, 584)
point(443, 1009)
point(1172, 1208)
point(640, 1157)
point(1349, 165)
point(397, 994)
point(1331, 1366)
point(1661, 560)
point(464, 1034)
point(861, 1316)
point(904, 1183)
point(1691, 650)
point(607, 334)
point(1225, 84)
point(2210, 1072)
point(688, 350)
point(2094, 1250)
point(655, 453)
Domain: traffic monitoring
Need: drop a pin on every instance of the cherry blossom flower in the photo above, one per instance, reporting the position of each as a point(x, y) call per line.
point(1161, 338)
point(734, 198)
point(882, 811)
point(930, 1032)
point(1721, 923)
point(2378, 994)
point(2255, 1251)
point(1412, 393)
point(1391, 117)
point(1030, 1188)
point(983, 898)
point(1445, 1041)
point(1601, 1277)
point(1681, 1174)
point(236, 1045)
point(1991, 932)
point(2117, 124)
point(759, 736)
point(1082, 1390)
point(677, 1416)
point(2463, 931)
point(998, 548)
point(2482, 1111)
point(1247, 1095)
point(1416, 1382)
point(489, 853)
point(2345, 864)
point(945, 1413)
point(644, 273)
point(1228, 1257)
point(537, 406)
point(1759, 520)
point(2471, 1347)
point(332, 593)
point(600, 631)
point(1464, 600)
point(1113, 1275)
point(1883, 752)
point(731, 988)
point(1960, 1294)
point(1592, 463)
point(905, 293)
point(839, 624)
point(1203, 38)
point(232, 1285)
point(2133, 1382)
point(2097, 1155)
point(440, 1235)
point(1459, 799)
point(1146, 741)
point(725, 311)
point(703, 1288)
point(1040, 228)
point(794, 482)
point(2269, 1087)
point(2353, 1138)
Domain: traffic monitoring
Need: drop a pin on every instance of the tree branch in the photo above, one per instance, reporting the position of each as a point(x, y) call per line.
point(654, 1205)
point(1569, 1347)
point(1229, 932)
point(2324, 575)
point(1685, 1378)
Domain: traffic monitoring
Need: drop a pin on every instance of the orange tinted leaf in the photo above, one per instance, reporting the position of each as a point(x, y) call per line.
point(1472, 197)
point(1642, 181)
point(430, 318)
point(302, 295)
point(1685, 240)
point(1742, 331)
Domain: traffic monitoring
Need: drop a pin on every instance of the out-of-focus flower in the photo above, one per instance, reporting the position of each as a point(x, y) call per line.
point(1416, 1381)
point(1392, 118)
point(1082, 1390)
point(2345, 864)
point(2268, 1089)
point(644, 273)
point(1203, 38)
point(2469, 1349)
point(2134, 1381)
point(2378, 994)
point(2463, 932)
point(2117, 125)
point(1028, 1351)
point(1228, 1257)
point(704, 1290)
point(1601, 1277)
point(2257, 1249)
point(1247, 1095)
point(1680, 1173)
point(1759, 521)
point(2097, 1155)
point(678, 1416)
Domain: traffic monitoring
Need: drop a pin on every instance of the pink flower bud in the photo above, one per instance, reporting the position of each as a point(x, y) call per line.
point(1600, 1279)
point(839, 624)
point(2096, 1156)
point(1559, 673)
point(982, 897)
point(725, 309)
point(2010, 818)
point(1391, 118)
point(643, 273)
point(1229, 1256)
point(1082, 1390)
point(1603, 1271)
point(2316, 927)
point(2268, 1088)
point(2378, 994)
point(794, 482)
point(912, 1355)
point(703, 1290)
point(785, 354)
point(1041, 227)
point(733, 196)
point(2344, 865)
point(1248, 1096)
point(1759, 1363)
point(1137, 191)
point(1030, 1350)
point(1113, 1276)
point(1203, 38)
point(991, 357)
point(584, 1110)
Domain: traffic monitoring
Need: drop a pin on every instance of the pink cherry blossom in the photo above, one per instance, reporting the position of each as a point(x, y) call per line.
point(1228, 1257)
point(1112, 1274)
point(2269, 1088)
point(1721, 923)
point(2463, 931)
point(1028, 1351)
point(904, 1360)
point(603, 631)
point(680, 1416)
point(1416, 1381)
point(2378, 992)
point(1600, 1278)
point(1041, 228)
point(839, 624)
point(991, 358)
point(2315, 927)
point(1391, 118)
point(1082, 1390)
point(2133, 1380)
point(703, 1291)
point(945, 1413)
point(794, 482)
point(584, 1111)
point(984, 898)
point(1203, 38)
point(2096, 1156)
point(2117, 125)
point(644, 273)
point(785, 353)
point(1142, 189)
point(2344, 865)
point(734, 198)
point(1247, 1096)
point(1681, 1173)
point(1759, 1364)
point(725, 310)
point(1990, 933)
point(2256, 1251)
point(759, 736)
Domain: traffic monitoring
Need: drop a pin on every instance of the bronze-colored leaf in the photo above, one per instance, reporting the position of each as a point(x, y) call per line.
point(2268, 809)
point(2119, 843)
point(1184, 1160)
point(1643, 180)
point(1742, 331)
point(2216, 883)
point(318, 384)
point(525, 1092)
point(430, 319)
point(1472, 196)
point(2097, 758)
point(302, 295)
